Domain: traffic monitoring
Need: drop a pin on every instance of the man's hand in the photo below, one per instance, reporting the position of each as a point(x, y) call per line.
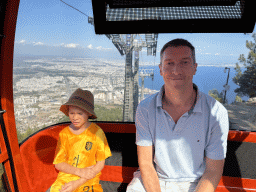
point(87, 173)
point(69, 187)
point(212, 175)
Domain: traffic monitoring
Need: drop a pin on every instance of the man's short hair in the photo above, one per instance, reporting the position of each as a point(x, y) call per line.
point(176, 43)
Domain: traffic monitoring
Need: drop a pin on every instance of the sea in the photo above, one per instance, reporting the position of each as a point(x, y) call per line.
point(206, 78)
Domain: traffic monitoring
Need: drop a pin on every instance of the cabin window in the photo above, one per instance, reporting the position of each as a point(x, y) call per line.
point(56, 51)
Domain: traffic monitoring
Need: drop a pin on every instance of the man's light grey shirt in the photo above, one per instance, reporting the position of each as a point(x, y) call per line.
point(179, 149)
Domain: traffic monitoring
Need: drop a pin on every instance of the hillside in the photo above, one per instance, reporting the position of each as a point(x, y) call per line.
point(242, 116)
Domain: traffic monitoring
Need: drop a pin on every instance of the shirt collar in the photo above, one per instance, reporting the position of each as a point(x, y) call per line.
point(197, 107)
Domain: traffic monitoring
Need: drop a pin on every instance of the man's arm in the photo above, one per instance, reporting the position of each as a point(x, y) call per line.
point(148, 172)
point(212, 175)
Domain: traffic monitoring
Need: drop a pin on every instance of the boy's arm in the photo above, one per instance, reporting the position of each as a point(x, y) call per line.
point(85, 174)
point(90, 172)
point(66, 168)
point(72, 185)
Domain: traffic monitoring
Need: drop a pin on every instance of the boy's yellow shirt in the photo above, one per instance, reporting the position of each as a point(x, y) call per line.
point(81, 151)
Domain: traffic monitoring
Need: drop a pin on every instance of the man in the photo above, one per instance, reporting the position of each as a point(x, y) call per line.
point(181, 133)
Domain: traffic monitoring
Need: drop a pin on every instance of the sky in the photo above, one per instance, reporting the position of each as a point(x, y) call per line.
point(50, 27)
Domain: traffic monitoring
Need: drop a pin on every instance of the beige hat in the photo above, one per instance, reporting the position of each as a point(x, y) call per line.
point(83, 99)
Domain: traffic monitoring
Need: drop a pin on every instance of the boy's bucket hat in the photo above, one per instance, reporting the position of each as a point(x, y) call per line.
point(83, 99)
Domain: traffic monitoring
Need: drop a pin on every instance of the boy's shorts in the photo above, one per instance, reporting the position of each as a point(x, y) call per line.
point(97, 189)
point(136, 185)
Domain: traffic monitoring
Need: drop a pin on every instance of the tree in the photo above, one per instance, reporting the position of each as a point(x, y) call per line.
point(216, 95)
point(20, 136)
point(29, 132)
point(238, 99)
point(106, 114)
point(247, 80)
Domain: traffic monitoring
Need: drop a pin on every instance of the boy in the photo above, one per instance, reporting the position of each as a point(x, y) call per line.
point(82, 147)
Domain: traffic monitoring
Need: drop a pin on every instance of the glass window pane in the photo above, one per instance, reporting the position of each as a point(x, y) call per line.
point(57, 51)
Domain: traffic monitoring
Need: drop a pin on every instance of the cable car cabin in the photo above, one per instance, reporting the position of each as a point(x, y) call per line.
point(37, 153)
point(28, 166)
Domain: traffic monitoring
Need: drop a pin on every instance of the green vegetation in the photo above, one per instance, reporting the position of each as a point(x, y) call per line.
point(104, 113)
point(247, 79)
point(22, 136)
point(109, 113)
point(64, 119)
point(238, 99)
point(216, 95)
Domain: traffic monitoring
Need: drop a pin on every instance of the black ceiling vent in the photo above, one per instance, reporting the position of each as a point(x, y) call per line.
point(173, 16)
point(167, 3)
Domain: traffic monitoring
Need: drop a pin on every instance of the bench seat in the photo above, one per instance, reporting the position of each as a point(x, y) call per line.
point(38, 151)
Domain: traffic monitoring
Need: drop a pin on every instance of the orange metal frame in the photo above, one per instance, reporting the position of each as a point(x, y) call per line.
point(10, 152)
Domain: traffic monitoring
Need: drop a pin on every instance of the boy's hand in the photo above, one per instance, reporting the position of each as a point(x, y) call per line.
point(69, 187)
point(87, 173)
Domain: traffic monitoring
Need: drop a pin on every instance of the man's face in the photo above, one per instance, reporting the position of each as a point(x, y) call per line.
point(177, 66)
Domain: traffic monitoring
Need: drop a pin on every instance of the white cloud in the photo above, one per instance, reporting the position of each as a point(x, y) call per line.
point(231, 54)
point(38, 43)
point(101, 48)
point(90, 46)
point(208, 53)
point(71, 45)
point(217, 53)
point(22, 41)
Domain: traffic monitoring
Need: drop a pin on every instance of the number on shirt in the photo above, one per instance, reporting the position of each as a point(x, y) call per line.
point(87, 189)
point(75, 160)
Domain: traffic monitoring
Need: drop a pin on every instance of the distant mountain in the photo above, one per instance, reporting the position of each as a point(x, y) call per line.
point(216, 60)
point(74, 50)
point(22, 49)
